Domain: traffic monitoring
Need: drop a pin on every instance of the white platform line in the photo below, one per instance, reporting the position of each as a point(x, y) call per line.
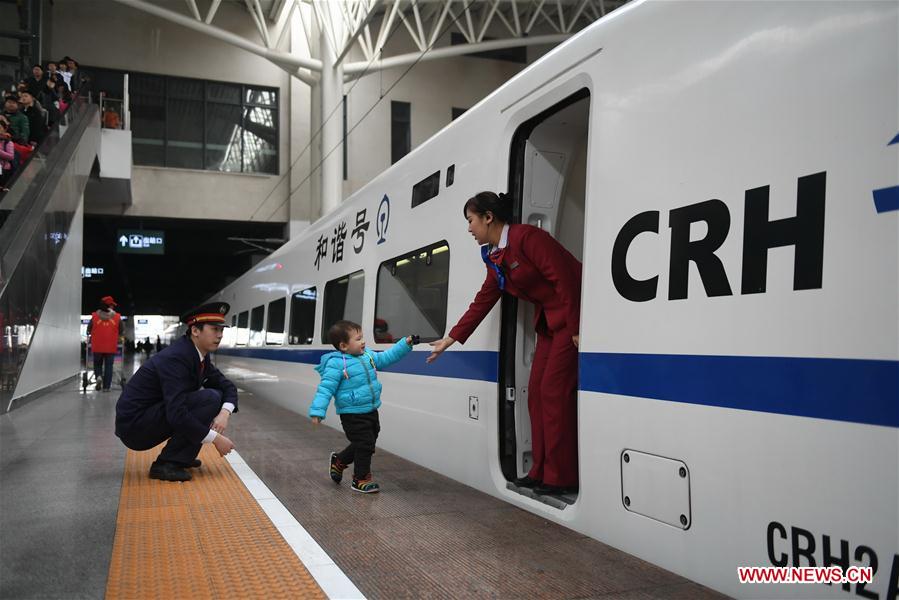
point(328, 575)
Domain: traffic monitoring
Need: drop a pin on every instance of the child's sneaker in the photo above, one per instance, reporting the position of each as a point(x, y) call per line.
point(337, 468)
point(366, 486)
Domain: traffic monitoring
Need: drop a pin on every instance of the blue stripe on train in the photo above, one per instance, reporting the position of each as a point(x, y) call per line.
point(855, 391)
point(480, 365)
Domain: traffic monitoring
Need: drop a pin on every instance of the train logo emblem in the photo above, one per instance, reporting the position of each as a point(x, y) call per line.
point(383, 219)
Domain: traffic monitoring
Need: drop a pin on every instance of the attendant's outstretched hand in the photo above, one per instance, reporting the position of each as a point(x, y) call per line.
point(576, 339)
point(438, 347)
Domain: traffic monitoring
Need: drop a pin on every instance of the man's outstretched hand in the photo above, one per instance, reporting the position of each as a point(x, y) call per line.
point(223, 444)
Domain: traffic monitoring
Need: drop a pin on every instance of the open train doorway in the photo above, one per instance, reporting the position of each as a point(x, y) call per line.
point(547, 182)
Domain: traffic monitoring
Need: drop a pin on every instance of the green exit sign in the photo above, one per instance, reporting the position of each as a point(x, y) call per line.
point(140, 241)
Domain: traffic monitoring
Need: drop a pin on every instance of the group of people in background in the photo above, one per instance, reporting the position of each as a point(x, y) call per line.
point(146, 346)
point(31, 111)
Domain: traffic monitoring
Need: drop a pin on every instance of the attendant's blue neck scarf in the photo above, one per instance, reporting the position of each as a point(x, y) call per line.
point(485, 256)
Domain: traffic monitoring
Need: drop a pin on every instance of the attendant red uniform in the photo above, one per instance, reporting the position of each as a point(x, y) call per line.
point(104, 331)
point(537, 268)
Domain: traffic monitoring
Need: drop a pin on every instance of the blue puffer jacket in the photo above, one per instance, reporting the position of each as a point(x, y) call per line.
point(361, 391)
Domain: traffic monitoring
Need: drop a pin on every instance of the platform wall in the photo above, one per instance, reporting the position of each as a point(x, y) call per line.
point(56, 345)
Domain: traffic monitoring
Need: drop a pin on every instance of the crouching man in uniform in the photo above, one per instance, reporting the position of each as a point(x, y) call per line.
point(179, 396)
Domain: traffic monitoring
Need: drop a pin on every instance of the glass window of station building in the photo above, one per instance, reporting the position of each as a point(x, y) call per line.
point(198, 124)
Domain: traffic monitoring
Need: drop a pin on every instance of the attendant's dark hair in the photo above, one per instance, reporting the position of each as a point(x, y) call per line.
point(484, 202)
point(340, 332)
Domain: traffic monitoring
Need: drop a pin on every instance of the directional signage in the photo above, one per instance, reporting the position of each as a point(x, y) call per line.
point(140, 241)
point(92, 273)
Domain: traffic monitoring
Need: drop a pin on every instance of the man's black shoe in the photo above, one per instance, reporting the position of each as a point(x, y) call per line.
point(195, 464)
point(545, 489)
point(526, 482)
point(168, 472)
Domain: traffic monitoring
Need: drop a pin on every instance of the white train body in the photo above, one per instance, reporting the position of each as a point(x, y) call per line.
point(769, 372)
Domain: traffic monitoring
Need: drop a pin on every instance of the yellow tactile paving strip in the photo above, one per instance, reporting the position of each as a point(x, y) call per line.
point(205, 538)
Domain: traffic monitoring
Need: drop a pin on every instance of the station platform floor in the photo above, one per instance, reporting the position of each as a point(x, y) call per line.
point(76, 506)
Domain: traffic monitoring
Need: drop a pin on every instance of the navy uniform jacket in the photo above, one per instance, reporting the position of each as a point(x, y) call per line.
point(171, 378)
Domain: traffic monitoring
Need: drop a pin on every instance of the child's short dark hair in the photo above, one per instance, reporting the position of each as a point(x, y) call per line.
point(340, 332)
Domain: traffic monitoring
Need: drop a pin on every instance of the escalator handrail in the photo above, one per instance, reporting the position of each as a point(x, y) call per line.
point(24, 219)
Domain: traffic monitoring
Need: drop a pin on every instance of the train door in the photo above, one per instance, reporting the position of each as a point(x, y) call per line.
point(548, 184)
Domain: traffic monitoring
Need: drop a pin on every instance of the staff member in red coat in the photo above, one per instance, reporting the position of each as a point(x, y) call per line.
point(104, 333)
point(528, 263)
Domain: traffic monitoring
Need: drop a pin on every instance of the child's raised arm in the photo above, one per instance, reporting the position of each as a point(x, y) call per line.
point(394, 353)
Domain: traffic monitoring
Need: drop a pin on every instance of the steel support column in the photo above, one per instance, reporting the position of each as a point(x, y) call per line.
point(332, 126)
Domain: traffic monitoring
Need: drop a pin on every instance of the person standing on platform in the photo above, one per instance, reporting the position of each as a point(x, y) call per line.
point(350, 376)
point(179, 396)
point(103, 331)
point(528, 263)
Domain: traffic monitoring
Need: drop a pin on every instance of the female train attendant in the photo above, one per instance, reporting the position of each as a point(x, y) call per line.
point(528, 263)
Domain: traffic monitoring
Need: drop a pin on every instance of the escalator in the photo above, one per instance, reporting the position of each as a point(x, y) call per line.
point(40, 260)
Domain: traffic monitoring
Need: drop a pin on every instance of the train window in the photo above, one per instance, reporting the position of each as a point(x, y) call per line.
point(450, 175)
point(274, 329)
point(343, 300)
point(229, 336)
point(302, 316)
point(400, 130)
point(257, 318)
point(243, 319)
point(426, 189)
point(412, 294)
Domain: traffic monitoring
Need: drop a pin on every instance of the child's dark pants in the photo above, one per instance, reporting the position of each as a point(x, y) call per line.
point(362, 432)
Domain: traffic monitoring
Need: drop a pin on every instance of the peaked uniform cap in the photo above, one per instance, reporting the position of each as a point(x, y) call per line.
point(109, 301)
point(212, 312)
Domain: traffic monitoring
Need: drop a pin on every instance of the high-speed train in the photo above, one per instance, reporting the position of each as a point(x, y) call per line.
point(728, 172)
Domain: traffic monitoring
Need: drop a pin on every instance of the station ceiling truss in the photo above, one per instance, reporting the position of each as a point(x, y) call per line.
point(368, 24)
